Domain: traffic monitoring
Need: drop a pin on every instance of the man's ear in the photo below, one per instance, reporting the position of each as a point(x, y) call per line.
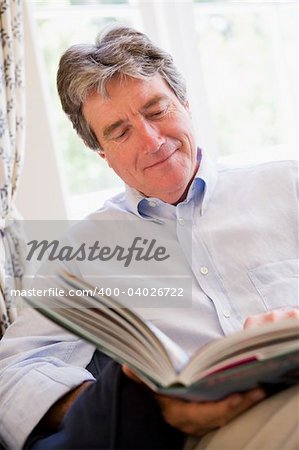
point(102, 154)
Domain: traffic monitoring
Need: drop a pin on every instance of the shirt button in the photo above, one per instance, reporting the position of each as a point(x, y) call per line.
point(204, 270)
point(226, 314)
point(152, 204)
point(181, 221)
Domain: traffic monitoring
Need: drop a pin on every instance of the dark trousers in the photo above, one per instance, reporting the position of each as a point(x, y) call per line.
point(113, 413)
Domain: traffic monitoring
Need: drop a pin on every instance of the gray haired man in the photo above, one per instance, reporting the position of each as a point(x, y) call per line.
point(128, 102)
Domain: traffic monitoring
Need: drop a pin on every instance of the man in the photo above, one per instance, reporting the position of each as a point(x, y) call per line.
point(128, 102)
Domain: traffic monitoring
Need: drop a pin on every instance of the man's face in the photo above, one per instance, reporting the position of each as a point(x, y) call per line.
point(146, 135)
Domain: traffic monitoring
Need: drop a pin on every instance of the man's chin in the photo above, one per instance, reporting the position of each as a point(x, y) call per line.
point(167, 193)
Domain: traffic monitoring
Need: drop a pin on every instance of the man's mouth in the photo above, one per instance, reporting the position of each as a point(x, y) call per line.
point(161, 161)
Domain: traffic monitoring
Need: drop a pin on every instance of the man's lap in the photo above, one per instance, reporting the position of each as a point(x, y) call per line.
point(118, 413)
point(113, 413)
point(270, 425)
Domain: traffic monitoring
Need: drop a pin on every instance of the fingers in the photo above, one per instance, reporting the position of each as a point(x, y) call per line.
point(200, 418)
point(130, 374)
point(238, 403)
point(271, 316)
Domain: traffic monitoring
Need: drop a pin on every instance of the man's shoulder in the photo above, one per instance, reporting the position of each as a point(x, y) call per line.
point(273, 179)
point(271, 165)
point(113, 207)
point(270, 169)
point(110, 218)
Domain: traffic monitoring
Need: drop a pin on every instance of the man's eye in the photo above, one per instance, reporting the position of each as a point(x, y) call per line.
point(159, 113)
point(121, 134)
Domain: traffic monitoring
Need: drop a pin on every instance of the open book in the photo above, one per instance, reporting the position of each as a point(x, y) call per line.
point(266, 356)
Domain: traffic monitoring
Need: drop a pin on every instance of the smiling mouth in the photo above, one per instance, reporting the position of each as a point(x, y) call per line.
point(158, 163)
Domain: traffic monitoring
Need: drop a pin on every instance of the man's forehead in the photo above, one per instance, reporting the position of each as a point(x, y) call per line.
point(125, 81)
point(126, 95)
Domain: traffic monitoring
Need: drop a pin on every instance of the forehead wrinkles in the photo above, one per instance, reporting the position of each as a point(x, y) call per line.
point(135, 89)
point(125, 97)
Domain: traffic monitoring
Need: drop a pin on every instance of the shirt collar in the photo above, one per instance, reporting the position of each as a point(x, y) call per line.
point(201, 189)
point(207, 175)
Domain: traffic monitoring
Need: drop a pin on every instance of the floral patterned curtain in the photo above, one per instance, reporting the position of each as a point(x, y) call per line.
point(12, 104)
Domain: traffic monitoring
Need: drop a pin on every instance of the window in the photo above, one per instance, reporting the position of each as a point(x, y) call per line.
point(238, 58)
point(248, 58)
point(60, 24)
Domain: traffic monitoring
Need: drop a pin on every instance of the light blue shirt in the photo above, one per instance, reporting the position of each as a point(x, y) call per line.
point(235, 238)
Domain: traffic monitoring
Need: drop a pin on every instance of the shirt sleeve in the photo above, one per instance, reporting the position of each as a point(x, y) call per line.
point(39, 363)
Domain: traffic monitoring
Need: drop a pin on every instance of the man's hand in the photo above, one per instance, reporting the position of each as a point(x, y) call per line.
point(198, 419)
point(271, 316)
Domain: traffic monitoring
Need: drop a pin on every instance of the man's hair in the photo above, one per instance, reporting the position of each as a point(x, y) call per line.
point(118, 51)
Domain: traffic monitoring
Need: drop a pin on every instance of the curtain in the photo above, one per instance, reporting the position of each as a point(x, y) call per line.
point(12, 105)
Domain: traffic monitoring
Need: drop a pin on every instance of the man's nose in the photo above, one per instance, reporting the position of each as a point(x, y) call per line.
point(150, 137)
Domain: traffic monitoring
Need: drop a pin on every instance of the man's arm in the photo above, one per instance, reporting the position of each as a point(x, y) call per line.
point(39, 364)
point(53, 418)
